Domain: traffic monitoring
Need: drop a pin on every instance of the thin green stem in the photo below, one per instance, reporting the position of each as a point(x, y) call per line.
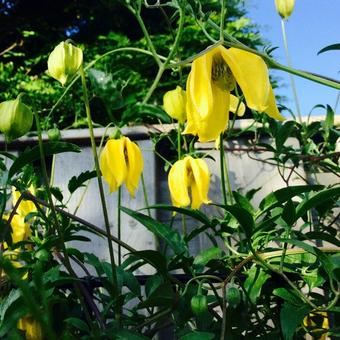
point(222, 20)
point(53, 170)
point(154, 84)
point(223, 188)
point(337, 100)
point(57, 226)
point(184, 226)
point(162, 66)
point(119, 235)
point(289, 62)
point(145, 194)
point(146, 34)
point(100, 183)
point(179, 144)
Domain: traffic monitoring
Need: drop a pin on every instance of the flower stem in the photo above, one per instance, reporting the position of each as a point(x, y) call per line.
point(119, 235)
point(222, 20)
point(179, 151)
point(145, 194)
point(58, 228)
point(289, 62)
point(222, 169)
point(230, 191)
point(100, 183)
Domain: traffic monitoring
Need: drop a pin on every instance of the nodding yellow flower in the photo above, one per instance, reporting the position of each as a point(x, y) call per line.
point(121, 162)
point(284, 8)
point(31, 328)
point(174, 103)
point(213, 75)
point(193, 173)
point(64, 61)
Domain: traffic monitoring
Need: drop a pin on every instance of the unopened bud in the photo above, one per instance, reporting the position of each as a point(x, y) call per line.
point(174, 102)
point(54, 134)
point(64, 62)
point(284, 7)
point(16, 118)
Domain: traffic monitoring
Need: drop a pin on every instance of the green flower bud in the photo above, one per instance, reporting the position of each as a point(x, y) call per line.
point(64, 62)
point(53, 134)
point(284, 7)
point(174, 102)
point(233, 296)
point(199, 304)
point(16, 118)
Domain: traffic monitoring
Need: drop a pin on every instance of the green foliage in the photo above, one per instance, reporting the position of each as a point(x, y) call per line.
point(264, 275)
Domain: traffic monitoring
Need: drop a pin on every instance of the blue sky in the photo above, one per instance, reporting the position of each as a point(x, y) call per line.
point(313, 25)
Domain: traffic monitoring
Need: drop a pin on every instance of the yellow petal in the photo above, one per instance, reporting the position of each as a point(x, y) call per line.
point(134, 165)
point(25, 207)
point(199, 84)
point(237, 105)
point(178, 184)
point(31, 328)
point(20, 230)
point(174, 103)
point(200, 182)
point(251, 73)
point(272, 110)
point(207, 102)
point(112, 163)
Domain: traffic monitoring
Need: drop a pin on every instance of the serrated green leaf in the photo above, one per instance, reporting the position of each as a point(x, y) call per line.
point(316, 199)
point(78, 181)
point(207, 255)
point(282, 195)
point(291, 317)
point(243, 202)
point(283, 133)
point(33, 154)
point(287, 295)
point(170, 236)
point(163, 296)
point(256, 278)
point(154, 258)
point(244, 218)
point(196, 214)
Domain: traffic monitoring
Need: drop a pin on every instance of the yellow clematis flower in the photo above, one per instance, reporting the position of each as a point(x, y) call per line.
point(31, 328)
point(174, 103)
point(64, 61)
point(213, 75)
point(121, 162)
point(284, 8)
point(193, 173)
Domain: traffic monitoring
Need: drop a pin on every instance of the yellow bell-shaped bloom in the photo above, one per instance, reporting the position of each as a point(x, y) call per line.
point(190, 173)
point(121, 162)
point(31, 328)
point(64, 61)
point(174, 103)
point(212, 77)
point(285, 8)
